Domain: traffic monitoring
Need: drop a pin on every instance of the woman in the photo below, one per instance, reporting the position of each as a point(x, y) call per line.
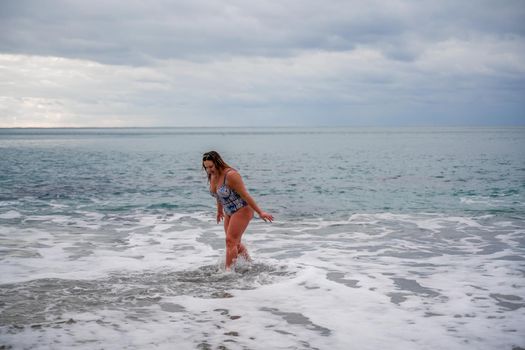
point(234, 204)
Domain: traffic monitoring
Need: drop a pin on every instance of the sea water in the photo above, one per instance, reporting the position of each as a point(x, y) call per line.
point(394, 238)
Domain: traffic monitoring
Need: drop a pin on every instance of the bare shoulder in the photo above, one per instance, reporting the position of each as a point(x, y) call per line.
point(234, 176)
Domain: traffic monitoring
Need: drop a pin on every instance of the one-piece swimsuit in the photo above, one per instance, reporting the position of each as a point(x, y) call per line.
point(231, 201)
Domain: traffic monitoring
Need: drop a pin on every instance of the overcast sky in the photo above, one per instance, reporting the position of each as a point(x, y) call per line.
point(261, 63)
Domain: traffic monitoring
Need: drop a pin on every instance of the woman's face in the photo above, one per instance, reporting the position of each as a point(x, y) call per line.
point(210, 167)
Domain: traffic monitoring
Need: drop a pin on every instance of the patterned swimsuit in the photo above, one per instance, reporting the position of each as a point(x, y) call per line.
point(230, 199)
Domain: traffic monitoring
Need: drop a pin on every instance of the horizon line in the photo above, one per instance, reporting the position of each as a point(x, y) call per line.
point(260, 126)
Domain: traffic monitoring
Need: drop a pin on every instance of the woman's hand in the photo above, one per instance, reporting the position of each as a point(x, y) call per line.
point(220, 215)
point(265, 216)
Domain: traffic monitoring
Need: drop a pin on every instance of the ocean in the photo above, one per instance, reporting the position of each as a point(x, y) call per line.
point(384, 238)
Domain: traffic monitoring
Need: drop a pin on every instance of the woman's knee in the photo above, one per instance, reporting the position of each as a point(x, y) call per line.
point(232, 242)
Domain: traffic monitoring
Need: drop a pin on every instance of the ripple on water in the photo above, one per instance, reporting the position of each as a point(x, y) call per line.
point(36, 301)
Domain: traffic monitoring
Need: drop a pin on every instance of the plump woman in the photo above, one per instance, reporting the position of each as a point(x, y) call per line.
point(234, 204)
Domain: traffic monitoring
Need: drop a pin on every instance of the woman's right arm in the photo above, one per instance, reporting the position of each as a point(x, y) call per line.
point(220, 211)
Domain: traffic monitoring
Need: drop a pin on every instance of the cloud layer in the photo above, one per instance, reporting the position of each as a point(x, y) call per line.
point(138, 63)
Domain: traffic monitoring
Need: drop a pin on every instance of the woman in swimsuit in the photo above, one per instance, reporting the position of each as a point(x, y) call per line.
point(234, 204)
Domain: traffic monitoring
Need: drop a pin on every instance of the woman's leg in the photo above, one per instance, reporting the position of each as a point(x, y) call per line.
point(241, 248)
point(235, 226)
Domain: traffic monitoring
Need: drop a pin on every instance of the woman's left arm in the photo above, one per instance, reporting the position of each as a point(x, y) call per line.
point(235, 182)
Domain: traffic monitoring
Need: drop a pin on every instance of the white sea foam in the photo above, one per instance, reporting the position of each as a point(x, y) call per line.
point(480, 200)
point(11, 214)
point(420, 281)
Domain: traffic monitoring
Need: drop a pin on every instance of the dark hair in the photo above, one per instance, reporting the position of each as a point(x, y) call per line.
point(215, 157)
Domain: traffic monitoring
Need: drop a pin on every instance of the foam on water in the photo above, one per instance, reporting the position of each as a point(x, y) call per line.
point(11, 214)
point(375, 280)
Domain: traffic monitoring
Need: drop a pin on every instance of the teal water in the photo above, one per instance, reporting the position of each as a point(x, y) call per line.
point(398, 238)
point(294, 172)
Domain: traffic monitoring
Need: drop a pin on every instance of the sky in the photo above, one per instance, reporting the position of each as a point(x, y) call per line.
point(131, 63)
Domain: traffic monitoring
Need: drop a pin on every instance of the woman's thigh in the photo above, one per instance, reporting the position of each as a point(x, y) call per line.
point(238, 222)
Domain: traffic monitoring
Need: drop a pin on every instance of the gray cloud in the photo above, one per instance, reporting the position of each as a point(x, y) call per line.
point(205, 62)
point(135, 31)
